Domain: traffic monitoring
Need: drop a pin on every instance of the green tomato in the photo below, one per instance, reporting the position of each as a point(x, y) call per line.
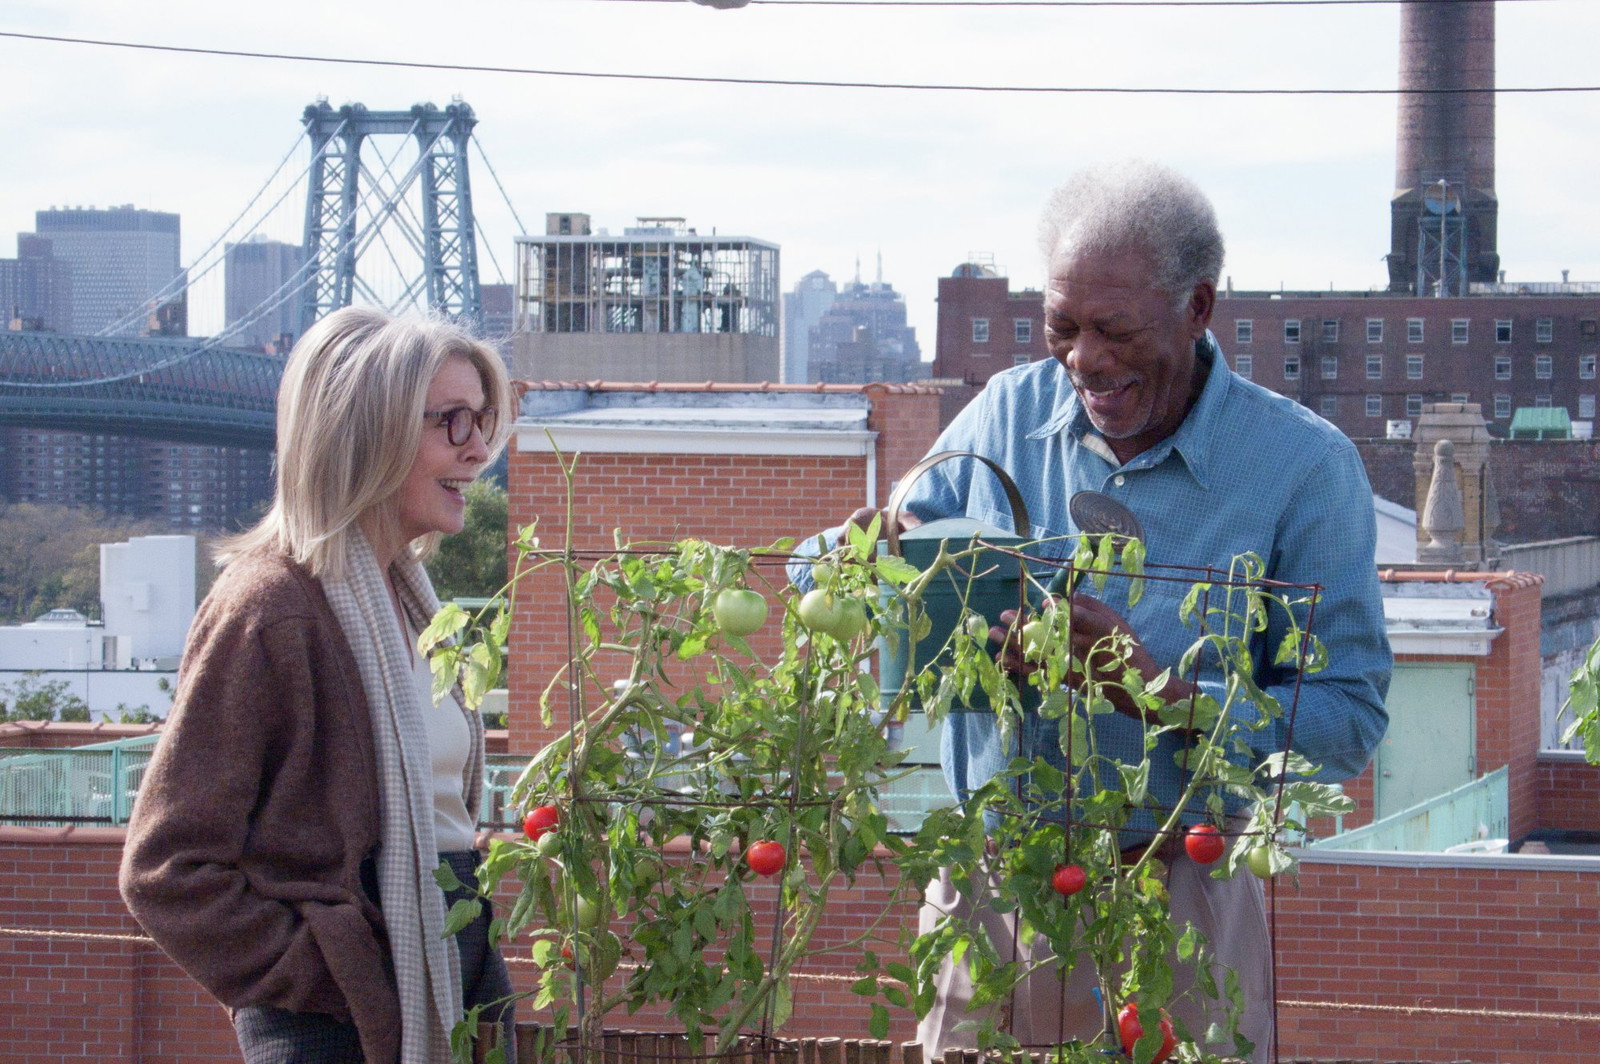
point(587, 912)
point(1259, 860)
point(823, 574)
point(818, 611)
point(549, 844)
point(1035, 634)
point(739, 611)
point(852, 619)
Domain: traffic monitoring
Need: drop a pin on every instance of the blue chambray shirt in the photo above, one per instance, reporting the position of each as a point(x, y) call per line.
point(1247, 471)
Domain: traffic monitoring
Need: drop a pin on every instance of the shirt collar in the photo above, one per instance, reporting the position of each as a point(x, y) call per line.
point(1195, 439)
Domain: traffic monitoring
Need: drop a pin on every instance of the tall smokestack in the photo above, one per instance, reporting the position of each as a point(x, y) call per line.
point(1442, 233)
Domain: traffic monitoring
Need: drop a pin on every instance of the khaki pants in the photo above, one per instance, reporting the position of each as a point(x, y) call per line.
point(1230, 913)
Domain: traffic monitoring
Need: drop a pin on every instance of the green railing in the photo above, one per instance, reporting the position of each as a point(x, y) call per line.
point(86, 785)
point(94, 786)
point(1471, 816)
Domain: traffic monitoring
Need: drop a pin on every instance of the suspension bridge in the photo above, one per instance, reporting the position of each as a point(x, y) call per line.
point(388, 220)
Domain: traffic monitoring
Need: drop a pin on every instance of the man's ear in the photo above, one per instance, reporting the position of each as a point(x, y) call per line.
point(1202, 302)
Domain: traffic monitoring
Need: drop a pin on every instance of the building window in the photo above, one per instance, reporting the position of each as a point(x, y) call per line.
point(1291, 367)
point(1543, 367)
point(1586, 367)
point(1413, 405)
point(1328, 407)
point(1502, 367)
point(1589, 327)
point(1544, 330)
point(1243, 330)
point(1458, 330)
point(1291, 331)
point(1022, 330)
point(1244, 366)
point(1374, 367)
point(980, 330)
point(1374, 330)
point(1542, 401)
point(1502, 330)
point(1586, 406)
point(1413, 330)
point(1021, 359)
point(1461, 397)
point(1330, 367)
point(1413, 367)
point(1330, 330)
point(1502, 405)
point(1374, 406)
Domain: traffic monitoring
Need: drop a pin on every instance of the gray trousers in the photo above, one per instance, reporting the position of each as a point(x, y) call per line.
point(1230, 913)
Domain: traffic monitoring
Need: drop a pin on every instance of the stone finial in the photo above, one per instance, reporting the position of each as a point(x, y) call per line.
point(1443, 518)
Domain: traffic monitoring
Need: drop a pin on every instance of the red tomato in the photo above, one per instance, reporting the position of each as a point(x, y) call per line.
point(1203, 843)
point(1130, 1028)
point(1068, 879)
point(766, 858)
point(541, 821)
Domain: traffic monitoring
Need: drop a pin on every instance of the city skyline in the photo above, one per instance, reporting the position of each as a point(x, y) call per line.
point(930, 179)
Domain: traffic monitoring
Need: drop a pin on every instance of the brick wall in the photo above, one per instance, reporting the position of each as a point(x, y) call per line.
point(750, 500)
point(1568, 793)
point(1366, 941)
point(1361, 939)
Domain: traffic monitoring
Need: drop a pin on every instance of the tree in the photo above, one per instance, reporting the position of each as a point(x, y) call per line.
point(50, 557)
point(472, 563)
point(30, 699)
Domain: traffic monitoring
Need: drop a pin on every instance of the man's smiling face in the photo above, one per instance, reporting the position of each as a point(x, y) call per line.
point(1127, 346)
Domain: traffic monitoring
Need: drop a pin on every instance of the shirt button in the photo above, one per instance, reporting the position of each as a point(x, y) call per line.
point(1119, 479)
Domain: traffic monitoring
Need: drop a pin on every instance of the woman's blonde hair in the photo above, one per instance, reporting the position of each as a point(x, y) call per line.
point(349, 427)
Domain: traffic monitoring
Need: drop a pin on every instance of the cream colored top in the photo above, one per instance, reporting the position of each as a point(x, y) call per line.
point(449, 745)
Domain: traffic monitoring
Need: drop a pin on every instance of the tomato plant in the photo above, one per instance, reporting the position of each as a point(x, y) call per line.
point(1204, 843)
point(766, 858)
point(789, 749)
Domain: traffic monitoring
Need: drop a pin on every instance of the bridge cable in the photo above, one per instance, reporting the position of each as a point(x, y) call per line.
point(181, 281)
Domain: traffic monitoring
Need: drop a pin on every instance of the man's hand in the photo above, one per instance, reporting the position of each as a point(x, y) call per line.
point(1093, 626)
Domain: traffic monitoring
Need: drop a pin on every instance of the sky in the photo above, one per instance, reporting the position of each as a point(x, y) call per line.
point(926, 179)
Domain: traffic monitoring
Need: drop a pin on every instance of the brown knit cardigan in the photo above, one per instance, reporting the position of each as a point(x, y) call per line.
point(244, 850)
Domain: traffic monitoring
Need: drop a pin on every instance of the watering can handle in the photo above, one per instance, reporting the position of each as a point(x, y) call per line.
point(891, 517)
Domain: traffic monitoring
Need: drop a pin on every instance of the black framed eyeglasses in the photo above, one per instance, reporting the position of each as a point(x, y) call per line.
point(458, 422)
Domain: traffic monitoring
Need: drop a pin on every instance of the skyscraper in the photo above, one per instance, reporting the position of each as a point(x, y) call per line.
point(35, 287)
point(855, 335)
point(126, 271)
point(263, 297)
point(802, 308)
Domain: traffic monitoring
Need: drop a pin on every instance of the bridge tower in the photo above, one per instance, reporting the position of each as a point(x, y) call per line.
point(340, 185)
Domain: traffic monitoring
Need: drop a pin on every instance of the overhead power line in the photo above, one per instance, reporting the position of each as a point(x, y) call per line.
point(1090, 3)
point(809, 83)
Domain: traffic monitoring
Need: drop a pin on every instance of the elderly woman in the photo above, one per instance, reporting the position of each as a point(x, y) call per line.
point(306, 786)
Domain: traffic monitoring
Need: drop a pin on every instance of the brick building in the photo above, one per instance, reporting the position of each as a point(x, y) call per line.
point(1360, 359)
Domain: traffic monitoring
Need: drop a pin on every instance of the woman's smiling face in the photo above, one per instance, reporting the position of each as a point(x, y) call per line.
point(431, 498)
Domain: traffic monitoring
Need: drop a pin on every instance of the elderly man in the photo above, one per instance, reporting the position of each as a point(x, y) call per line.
point(1137, 402)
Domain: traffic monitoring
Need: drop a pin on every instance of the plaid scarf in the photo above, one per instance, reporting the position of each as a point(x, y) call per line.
point(426, 964)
